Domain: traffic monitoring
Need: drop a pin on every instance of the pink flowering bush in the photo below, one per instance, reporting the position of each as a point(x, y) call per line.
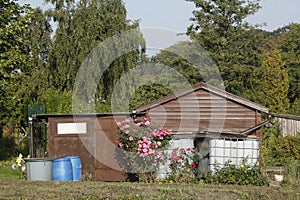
point(184, 165)
point(142, 145)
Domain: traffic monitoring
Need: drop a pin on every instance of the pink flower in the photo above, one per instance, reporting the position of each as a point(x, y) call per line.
point(158, 155)
point(138, 124)
point(163, 132)
point(145, 154)
point(146, 146)
point(145, 150)
point(155, 133)
point(154, 162)
point(149, 140)
point(151, 151)
point(147, 123)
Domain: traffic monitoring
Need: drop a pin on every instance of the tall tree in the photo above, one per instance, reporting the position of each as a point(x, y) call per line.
point(220, 27)
point(271, 83)
point(15, 63)
point(289, 45)
point(39, 47)
point(81, 27)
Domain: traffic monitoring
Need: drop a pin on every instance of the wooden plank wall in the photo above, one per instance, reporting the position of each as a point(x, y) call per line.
point(72, 145)
point(107, 165)
point(290, 126)
point(203, 109)
point(93, 148)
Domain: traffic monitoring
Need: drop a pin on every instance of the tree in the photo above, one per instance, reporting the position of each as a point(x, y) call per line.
point(15, 63)
point(39, 46)
point(289, 45)
point(271, 83)
point(81, 27)
point(232, 43)
point(180, 64)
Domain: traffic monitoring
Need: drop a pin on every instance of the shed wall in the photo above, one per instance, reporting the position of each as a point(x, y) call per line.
point(203, 109)
point(93, 148)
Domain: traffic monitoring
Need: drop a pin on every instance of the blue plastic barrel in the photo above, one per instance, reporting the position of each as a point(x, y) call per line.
point(62, 169)
point(76, 167)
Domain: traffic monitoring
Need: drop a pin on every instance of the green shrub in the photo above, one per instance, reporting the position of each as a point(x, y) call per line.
point(184, 165)
point(282, 151)
point(7, 148)
point(56, 102)
point(23, 146)
point(292, 173)
point(233, 175)
point(278, 150)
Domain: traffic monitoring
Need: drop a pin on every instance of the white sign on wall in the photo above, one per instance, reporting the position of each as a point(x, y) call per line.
point(71, 128)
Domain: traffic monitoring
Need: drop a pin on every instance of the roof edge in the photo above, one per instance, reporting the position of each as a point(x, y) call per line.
point(82, 115)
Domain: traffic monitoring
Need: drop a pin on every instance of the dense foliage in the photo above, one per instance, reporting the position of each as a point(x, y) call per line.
point(243, 175)
point(184, 165)
point(142, 147)
point(247, 57)
point(39, 66)
point(282, 151)
point(278, 150)
point(15, 64)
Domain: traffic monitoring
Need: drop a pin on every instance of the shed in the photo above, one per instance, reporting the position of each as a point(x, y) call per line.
point(92, 137)
point(187, 112)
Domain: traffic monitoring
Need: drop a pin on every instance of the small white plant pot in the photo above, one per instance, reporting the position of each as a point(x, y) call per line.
point(278, 178)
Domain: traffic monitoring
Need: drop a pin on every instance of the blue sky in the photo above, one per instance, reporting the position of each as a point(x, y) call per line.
point(175, 14)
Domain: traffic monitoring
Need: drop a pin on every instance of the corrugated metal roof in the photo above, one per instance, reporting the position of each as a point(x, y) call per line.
point(210, 89)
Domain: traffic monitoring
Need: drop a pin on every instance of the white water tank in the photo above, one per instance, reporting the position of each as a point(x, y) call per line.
point(235, 151)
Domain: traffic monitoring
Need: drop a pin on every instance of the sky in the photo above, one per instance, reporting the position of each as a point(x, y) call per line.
point(162, 20)
point(175, 14)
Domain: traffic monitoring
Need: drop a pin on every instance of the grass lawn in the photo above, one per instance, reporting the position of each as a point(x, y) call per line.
point(24, 189)
point(13, 188)
point(6, 171)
